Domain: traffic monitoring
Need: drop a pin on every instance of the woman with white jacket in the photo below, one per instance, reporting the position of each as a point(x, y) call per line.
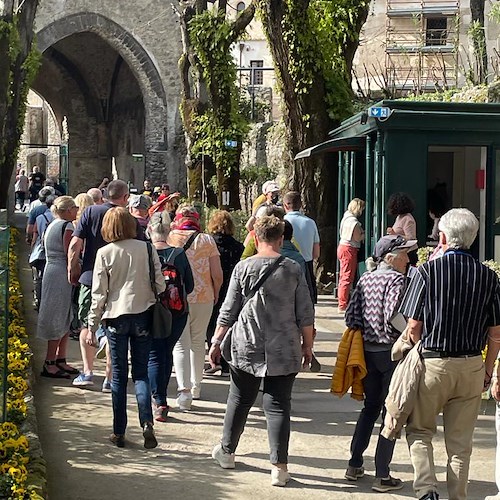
point(122, 297)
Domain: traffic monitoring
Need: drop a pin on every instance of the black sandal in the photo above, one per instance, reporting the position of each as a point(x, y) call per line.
point(58, 374)
point(70, 371)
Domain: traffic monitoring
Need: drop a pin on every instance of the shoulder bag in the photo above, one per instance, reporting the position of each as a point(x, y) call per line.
point(225, 346)
point(161, 324)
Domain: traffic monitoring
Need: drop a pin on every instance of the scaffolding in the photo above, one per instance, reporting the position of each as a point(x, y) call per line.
point(422, 45)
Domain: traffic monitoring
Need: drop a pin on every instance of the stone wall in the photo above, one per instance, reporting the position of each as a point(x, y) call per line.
point(148, 42)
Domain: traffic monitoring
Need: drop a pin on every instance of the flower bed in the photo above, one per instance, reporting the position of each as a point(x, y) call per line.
point(14, 444)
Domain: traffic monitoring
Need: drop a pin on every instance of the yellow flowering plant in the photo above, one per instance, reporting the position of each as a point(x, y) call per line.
point(14, 445)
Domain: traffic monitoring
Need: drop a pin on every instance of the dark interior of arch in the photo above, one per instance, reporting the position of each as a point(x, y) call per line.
point(83, 78)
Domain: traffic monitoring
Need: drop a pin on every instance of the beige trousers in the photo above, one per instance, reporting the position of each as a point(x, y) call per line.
point(453, 386)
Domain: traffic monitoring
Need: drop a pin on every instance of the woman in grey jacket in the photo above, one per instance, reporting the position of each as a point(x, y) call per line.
point(269, 313)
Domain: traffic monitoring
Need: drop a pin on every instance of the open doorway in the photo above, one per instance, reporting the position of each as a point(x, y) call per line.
point(456, 179)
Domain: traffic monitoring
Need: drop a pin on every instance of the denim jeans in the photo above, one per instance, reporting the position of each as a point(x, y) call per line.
point(161, 360)
point(276, 400)
point(380, 368)
point(136, 329)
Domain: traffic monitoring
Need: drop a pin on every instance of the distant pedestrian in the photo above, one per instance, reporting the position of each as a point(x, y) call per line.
point(204, 258)
point(401, 206)
point(373, 304)
point(36, 180)
point(96, 195)
point(221, 228)
point(453, 307)
point(271, 193)
point(305, 233)
point(56, 312)
point(351, 235)
point(21, 189)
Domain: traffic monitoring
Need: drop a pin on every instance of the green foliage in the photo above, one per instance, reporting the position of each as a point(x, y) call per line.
point(211, 36)
point(256, 174)
point(494, 14)
point(316, 44)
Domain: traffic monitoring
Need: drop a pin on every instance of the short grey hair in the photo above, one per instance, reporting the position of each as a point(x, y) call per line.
point(159, 226)
point(95, 194)
point(460, 227)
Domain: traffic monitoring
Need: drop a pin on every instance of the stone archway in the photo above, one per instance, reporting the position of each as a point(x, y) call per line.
point(142, 66)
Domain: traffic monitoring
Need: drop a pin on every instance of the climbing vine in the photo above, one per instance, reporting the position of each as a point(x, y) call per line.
point(220, 129)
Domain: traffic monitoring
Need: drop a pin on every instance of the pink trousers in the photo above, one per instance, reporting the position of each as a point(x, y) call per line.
point(348, 257)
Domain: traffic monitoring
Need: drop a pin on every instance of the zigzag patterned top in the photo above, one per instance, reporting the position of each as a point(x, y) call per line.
point(373, 303)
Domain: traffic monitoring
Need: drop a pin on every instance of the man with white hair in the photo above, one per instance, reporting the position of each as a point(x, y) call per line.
point(96, 195)
point(453, 307)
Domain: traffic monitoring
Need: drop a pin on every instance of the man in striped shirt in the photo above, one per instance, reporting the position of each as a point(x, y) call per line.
point(453, 306)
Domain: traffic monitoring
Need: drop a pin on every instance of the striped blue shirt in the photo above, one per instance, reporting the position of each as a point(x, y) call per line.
point(457, 298)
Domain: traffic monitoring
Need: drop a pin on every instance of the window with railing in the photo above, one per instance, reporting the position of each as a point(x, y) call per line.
point(436, 31)
point(256, 75)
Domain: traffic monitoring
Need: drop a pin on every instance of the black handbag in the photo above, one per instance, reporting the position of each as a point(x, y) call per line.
point(161, 324)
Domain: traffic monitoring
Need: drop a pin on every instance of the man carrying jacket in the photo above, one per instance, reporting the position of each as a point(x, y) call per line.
point(453, 307)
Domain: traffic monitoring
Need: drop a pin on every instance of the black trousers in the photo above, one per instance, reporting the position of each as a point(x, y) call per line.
point(276, 399)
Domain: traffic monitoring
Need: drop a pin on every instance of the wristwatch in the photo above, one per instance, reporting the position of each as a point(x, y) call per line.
point(216, 342)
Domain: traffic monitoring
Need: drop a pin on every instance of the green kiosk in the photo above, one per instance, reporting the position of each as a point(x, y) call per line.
point(426, 149)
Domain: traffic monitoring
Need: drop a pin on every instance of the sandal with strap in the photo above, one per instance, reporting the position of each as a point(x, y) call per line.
point(58, 374)
point(70, 370)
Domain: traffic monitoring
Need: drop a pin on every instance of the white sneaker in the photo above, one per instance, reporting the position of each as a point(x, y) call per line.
point(279, 477)
point(196, 392)
point(184, 400)
point(225, 460)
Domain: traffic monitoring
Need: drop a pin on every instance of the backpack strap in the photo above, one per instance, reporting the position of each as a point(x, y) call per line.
point(190, 240)
point(64, 226)
point(173, 254)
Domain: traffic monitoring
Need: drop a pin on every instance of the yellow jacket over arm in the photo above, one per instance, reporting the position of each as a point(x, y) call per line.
point(350, 368)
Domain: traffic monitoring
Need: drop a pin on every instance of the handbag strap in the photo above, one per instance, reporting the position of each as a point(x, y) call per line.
point(270, 270)
point(151, 269)
point(190, 240)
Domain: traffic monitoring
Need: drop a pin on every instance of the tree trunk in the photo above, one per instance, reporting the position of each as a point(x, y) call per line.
point(16, 72)
point(315, 177)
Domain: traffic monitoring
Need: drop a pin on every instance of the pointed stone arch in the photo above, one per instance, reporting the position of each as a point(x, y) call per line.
point(141, 63)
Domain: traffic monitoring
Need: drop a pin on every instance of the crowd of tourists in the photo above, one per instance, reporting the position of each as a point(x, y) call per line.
point(146, 284)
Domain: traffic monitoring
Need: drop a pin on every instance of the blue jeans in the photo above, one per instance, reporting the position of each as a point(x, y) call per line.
point(136, 329)
point(380, 368)
point(161, 360)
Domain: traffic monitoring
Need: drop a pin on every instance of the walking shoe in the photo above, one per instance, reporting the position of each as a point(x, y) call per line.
point(160, 412)
point(118, 440)
point(279, 477)
point(196, 393)
point(388, 484)
point(106, 386)
point(354, 473)
point(212, 370)
point(148, 433)
point(101, 350)
point(84, 379)
point(184, 400)
point(225, 460)
point(432, 495)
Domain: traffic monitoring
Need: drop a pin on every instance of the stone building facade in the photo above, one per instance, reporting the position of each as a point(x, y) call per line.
point(110, 70)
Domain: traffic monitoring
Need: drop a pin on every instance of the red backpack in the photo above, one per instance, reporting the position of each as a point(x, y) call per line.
point(174, 296)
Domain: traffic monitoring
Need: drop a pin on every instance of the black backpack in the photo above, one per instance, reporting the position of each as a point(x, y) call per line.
point(174, 297)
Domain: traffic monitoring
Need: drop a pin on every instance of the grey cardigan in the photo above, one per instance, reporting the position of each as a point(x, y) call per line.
point(265, 336)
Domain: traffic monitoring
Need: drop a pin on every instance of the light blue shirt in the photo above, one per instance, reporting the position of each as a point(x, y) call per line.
point(305, 233)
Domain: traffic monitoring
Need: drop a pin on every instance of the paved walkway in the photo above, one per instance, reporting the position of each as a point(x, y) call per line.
point(74, 425)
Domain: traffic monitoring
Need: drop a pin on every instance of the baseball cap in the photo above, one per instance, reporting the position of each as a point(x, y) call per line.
point(140, 201)
point(391, 242)
point(270, 187)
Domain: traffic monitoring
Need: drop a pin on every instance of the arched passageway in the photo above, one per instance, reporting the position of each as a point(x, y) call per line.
point(98, 76)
